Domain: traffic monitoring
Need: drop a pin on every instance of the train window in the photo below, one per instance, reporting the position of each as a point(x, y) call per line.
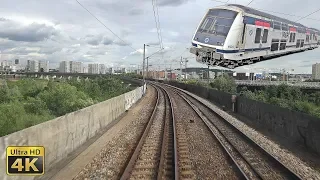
point(276, 25)
point(307, 38)
point(221, 30)
point(302, 43)
point(223, 13)
point(285, 27)
point(206, 25)
point(294, 37)
point(298, 43)
point(218, 22)
point(265, 36)
point(275, 45)
point(290, 37)
point(258, 35)
point(283, 44)
point(224, 22)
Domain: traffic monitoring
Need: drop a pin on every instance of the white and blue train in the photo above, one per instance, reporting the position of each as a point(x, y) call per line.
point(234, 35)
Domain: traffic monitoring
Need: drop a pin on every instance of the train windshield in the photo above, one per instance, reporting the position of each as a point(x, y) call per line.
point(218, 22)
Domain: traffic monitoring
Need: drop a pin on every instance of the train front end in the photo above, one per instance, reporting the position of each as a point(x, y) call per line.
point(217, 35)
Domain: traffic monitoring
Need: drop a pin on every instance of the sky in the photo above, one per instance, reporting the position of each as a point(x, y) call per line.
point(62, 30)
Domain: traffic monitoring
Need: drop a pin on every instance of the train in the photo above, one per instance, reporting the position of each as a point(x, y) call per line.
point(234, 35)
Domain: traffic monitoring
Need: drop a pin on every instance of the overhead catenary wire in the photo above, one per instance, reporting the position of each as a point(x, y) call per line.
point(307, 15)
point(250, 2)
point(286, 14)
point(106, 26)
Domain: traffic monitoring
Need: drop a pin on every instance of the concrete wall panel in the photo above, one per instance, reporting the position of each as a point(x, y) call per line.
point(63, 135)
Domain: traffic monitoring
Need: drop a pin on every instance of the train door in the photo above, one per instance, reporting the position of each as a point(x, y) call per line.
point(243, 37)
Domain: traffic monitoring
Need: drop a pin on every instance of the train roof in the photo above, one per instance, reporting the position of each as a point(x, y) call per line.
point(314, 29)
point(263, 14)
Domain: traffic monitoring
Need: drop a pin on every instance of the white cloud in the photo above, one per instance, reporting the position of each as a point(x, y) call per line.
point(138, 52)
point(76, 45)
point(173, 33)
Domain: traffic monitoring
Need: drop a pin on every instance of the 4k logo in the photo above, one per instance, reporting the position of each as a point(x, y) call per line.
point(25, 160)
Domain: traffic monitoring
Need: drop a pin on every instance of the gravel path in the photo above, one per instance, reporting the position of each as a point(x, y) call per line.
point(208, 159)
point(285, 156)
point(110, 162)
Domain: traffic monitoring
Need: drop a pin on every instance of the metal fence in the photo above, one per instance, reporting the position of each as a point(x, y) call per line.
point(315, 85)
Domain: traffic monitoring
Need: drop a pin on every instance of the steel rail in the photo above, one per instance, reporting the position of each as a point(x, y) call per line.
point(127, 172)
point(290, 173)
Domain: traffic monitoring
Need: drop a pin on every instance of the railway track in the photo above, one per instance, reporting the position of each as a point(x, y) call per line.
point(155, 155)
point(251, 159)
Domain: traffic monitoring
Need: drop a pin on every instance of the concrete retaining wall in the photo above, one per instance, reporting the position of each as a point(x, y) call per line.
point(63, 135)
point(295, 126)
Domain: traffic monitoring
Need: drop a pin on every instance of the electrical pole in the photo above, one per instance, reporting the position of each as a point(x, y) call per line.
point(159, 72)
point(144, 55)
point(147, 66)
point(186, 61)
point(181, 67)
point(208, 75)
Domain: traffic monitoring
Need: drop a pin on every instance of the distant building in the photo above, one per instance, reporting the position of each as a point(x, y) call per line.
point(76, 67)
point(111, 70)
point(316, 71)
point(102, 69)
point(43, 66)
point(6, 63)
point(85, 70)
point(64, 67)
point(33, 66)
point(123, 70)
point(93, 68)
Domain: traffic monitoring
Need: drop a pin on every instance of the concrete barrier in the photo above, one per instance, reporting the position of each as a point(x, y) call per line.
point(292, 125)
point(63, 135)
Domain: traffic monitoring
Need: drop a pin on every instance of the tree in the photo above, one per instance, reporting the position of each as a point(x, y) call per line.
point(224, 83)
point(64, 98)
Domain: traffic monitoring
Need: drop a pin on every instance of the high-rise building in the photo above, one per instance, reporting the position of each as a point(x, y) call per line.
point(123, 70)
point(316, 71)
point(43, 66)
point(64, 67)
point(6, 63)
point(76, 67)
point(34, 66)
point(28, 65)
point(111, 70)
point(93, 68)
point(102, 69)
point(85, 70)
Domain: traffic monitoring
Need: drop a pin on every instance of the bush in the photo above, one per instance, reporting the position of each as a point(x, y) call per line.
point(224, 83)
point(28, 102)
point(63, 98)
